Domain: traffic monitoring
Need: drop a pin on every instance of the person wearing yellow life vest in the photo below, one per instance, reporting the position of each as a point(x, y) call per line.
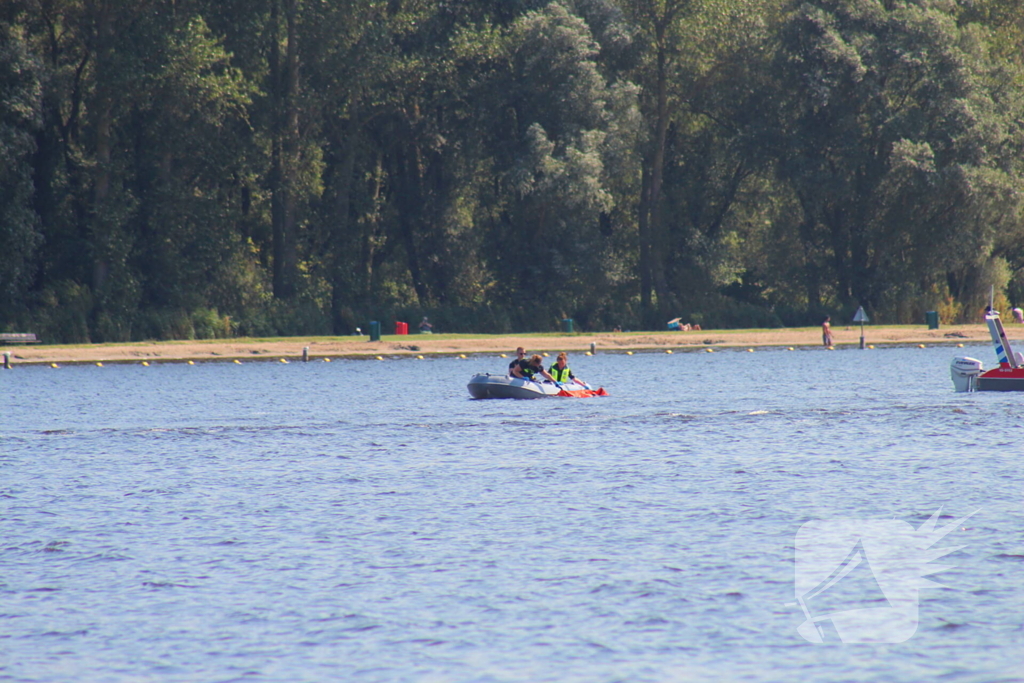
point(560, 369)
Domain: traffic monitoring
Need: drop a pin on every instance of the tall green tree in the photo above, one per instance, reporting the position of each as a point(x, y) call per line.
point(565, 130)
point(899, 138)
point(20, 119)
point(697, 62)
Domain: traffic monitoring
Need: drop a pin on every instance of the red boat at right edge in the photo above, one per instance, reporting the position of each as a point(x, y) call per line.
point(969, 374)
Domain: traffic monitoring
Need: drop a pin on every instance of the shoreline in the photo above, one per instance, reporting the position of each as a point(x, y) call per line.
point(291, 348)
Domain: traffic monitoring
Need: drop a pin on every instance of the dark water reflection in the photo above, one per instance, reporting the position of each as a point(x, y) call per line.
point(367, 521)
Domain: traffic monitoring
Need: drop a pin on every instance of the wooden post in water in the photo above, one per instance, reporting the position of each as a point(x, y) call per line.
point(7, 360)
point(305, 354)
point(593, 348)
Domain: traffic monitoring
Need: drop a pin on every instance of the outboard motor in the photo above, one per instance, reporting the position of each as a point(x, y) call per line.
point(965, 371)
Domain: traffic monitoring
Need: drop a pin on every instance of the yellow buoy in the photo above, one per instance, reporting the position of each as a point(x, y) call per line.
point(959, 346)
point(709, 350)
point(750, 350)
point(588, 353)
point(871, 346)
point(502, 355)
point(54, 365)
point(629, 353)
point(791, 348)
point(462, 356)
point(145, 364)
point(238, 362)
point(831, 348)
point(327, 360)
point(419, 357)
point(921, 346)
point(191, 363)
point(668, 350)
point(99, 365)
point(283, 360)
point(546, 355)
point(380, 357)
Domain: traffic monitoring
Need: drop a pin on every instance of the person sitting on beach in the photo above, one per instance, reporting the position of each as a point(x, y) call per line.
point(520, 354)
point(526, 369)
point(560, 369)
point(426, 327)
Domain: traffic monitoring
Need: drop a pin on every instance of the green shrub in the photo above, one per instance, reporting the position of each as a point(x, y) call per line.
point(208, 324)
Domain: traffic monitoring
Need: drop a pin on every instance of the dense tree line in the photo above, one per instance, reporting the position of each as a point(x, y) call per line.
point(180, 168)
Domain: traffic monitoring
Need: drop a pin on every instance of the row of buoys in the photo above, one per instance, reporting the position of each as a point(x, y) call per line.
point(463, 356)
point(145, 363)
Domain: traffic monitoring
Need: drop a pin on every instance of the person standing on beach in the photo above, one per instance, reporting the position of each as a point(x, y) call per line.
point(826, 331)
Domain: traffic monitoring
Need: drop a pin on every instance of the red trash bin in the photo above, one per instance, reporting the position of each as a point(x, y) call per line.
point(401, 328)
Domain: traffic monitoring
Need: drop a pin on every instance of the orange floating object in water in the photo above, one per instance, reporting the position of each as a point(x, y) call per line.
point(582, 393)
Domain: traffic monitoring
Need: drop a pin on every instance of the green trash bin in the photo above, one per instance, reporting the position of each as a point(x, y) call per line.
point(932, 318)
point(374, 330)
point(567, 325)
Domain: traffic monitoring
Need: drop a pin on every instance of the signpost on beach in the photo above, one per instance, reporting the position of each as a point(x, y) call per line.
point(860, 317)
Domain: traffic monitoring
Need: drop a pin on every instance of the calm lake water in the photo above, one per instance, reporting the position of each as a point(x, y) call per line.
point(368, 521)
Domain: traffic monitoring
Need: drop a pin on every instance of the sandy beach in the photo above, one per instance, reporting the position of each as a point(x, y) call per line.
point(428, 345)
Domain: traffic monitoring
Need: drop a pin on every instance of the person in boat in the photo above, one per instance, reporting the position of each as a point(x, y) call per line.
point(520, 355)
point(530, 368)
point(560, 369)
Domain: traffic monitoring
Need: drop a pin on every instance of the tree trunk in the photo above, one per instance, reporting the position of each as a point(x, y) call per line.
point(811, 271)
point(284, 149)
point(658, 243)
point(101, 178)
point(341, 237)
point(410, 205)
point(644, 234)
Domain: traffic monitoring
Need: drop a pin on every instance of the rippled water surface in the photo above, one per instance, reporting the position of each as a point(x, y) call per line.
point(368, 521)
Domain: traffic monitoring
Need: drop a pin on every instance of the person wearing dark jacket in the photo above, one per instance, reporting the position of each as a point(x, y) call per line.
point(520, 355)
point(527, 369)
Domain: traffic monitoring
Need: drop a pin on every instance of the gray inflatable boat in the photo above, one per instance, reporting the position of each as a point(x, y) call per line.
point(504, 386)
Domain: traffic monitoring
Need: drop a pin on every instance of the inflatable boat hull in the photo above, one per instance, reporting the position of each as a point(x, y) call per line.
point(504, 386)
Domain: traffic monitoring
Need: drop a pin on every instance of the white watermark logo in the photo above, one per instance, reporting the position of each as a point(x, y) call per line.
point(857, 580)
